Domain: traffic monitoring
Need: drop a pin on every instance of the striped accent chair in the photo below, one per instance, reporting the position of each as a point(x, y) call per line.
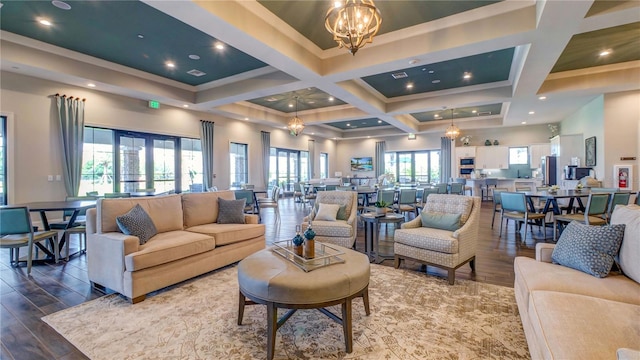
point(447, 249)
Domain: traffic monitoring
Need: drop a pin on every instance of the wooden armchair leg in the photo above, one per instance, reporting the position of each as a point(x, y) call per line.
point(451, 276)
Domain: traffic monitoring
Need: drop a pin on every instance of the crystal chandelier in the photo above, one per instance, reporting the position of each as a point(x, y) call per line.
point(452, 131)
point(353, 23)
point(296, 125)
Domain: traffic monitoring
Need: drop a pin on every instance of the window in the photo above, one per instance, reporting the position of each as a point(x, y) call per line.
point(518, 155)
point(287, 167)
point(238, 164)
point(3, 160)
point(116, 160)
point(413, 166)
point(324, 165)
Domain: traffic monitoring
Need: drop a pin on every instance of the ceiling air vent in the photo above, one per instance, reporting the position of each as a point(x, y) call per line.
point(399, 75)
point(196, 72)
point(484, 113)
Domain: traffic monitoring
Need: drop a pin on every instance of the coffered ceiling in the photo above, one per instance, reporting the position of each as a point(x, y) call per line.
point(489, 61)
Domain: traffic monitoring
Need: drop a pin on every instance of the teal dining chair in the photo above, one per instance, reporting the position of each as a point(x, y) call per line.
point(250, 201)
point(514, 207)
point(595, 213)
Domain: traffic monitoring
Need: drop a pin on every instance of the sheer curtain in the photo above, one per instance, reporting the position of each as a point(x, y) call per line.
point(312, 156)
point(71, 120)
point(445, 159)
point(266, 157)
point(381, 148)
point(206, 138)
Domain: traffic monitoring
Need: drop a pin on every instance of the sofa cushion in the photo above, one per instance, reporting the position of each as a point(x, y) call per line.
point(570, 326)
point(338, 228)
point(588, 248)
point(168, 246)
point(450, 204)
point(630, 249)
point(165, 211)
point(229, 233)
point(137, 223)
point(428, 238)
point(327, 212)
point(202, 208)
point(231, 211)
point(439, 220)
point(532, 275)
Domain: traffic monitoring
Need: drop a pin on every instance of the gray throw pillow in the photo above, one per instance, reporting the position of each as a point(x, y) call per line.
point(588, 248)
point(231, 211)
point(137, 223)
point(438, 220)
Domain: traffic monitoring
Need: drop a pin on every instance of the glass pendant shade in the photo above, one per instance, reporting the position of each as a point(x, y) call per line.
point(353, 23)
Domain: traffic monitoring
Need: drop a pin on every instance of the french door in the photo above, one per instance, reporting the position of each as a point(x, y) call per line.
point(287, 167)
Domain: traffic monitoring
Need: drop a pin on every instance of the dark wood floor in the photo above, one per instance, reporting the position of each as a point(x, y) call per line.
point(53, 287)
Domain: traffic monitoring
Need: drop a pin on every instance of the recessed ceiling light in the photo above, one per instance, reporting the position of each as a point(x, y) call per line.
point(219, 46)
point(524, 122)
point(194, 57)
point(542, 98)
point(379, 121)
point(170, 64)
point(431, 71)
point(348, 124)
point(531, 112)
point(466, 75)
point(185, 105)
point(436, 116)
point(311, 102)
point(44, 22)
point(290, 105)
point(435, 81)
point(474, 111)
point(605, 52)
point(409, 86)
point(246, 118)
point(368, 137)
point(331, 98)
point(91, 85)
point(140, 36)
point(313, 133)
point(413, 61)
point(61, 5)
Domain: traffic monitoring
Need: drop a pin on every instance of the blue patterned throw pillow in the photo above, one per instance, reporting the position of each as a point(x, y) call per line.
point(590, 249)
point(137, 223)
point(231, 211)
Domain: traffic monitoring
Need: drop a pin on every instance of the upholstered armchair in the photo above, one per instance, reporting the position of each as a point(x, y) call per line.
point(447, 241)
point(334, 227)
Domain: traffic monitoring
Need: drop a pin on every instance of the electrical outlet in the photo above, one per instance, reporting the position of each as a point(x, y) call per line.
point(49, 177)
point(58, 177)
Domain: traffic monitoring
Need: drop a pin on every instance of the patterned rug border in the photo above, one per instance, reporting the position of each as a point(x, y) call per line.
point(412, 317)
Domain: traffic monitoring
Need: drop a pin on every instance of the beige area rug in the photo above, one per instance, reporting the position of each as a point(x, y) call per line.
point(413, 316)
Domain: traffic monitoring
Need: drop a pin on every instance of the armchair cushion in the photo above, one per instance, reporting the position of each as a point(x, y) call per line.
point(137, 223)
point(450, 204)
point(441, 221)
point(429, 239)
point(338, 228)
point(588, 248)
point(327, 212)
point(231, 211)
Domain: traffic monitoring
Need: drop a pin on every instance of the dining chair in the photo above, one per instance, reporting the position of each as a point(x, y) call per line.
point(456, 188)
point(16, 231)
point(466, 188)
point(388, 196)
point(271, 202)
point(514, 207)
point(80, 219)
point(298, 192)
point(248, 186)
point(212, 188)
point(93, 193)
point(117, 195)
point(497, 203)
point(595, 213)
point(331, 187)
point(617, 198)
point(442, 188)
point(146, 190)
point(407, 202)
point(637, 202)
point(607, 190)
point(250, 200)
point(488, 186)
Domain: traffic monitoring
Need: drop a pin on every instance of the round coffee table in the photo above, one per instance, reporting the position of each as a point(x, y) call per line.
point(269, 279)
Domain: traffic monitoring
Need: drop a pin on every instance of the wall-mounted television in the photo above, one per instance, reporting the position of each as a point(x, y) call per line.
point(362, 164)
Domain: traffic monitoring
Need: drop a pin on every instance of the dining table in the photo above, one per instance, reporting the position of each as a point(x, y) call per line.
point(552, 198)
point(42, 207)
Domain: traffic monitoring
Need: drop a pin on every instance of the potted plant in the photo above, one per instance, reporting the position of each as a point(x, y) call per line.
point(381, 207)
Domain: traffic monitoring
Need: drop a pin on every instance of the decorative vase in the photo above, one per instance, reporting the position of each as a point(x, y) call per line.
point(298, 242)
point(487, 143)
point(309, 243)
point(495, 142)
point(381, 210)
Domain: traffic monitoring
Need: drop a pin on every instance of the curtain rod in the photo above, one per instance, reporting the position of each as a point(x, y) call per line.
point(70, 97)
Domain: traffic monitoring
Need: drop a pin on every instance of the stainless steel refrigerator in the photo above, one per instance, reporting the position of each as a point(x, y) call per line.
point(549, 170)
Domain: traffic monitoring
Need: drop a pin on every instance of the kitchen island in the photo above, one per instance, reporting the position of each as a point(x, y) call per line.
point(509, 183)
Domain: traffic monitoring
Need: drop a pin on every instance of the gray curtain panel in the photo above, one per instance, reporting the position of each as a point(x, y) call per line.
point(445, 159)
point(71, 119)
point(206, 137)
point(266, 157)
point(381, 148)
point(312, 156)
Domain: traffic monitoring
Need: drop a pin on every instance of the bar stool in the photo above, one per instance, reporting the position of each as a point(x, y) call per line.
point(488, 183)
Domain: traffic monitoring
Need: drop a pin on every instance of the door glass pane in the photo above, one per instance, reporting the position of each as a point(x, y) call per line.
point(390, 167)
point(324, 165)
point(405, 174)
point(304, 166)
point(97, 161)
point(273, 168)
point(3, 160)
point(164, 163)
point(132, 163)
point(238, 164)
point(434, 172)
point(283, 171)
point(422, 166)
point(293, 171)
point(191, 164)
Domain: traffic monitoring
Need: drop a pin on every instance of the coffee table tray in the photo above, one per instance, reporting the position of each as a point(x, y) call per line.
point(325, 255)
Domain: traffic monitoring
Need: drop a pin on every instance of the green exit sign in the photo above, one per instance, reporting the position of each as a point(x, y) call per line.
point(154, 104)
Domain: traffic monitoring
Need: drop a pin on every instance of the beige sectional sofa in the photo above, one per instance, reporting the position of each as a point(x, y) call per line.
point(189, 242)
point(569, 314)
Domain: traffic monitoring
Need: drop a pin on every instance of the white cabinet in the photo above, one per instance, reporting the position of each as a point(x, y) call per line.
point(492, 157)
point(536, 152)
point(465, 151)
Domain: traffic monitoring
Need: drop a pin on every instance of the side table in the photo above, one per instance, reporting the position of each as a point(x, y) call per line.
point(372, 234)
